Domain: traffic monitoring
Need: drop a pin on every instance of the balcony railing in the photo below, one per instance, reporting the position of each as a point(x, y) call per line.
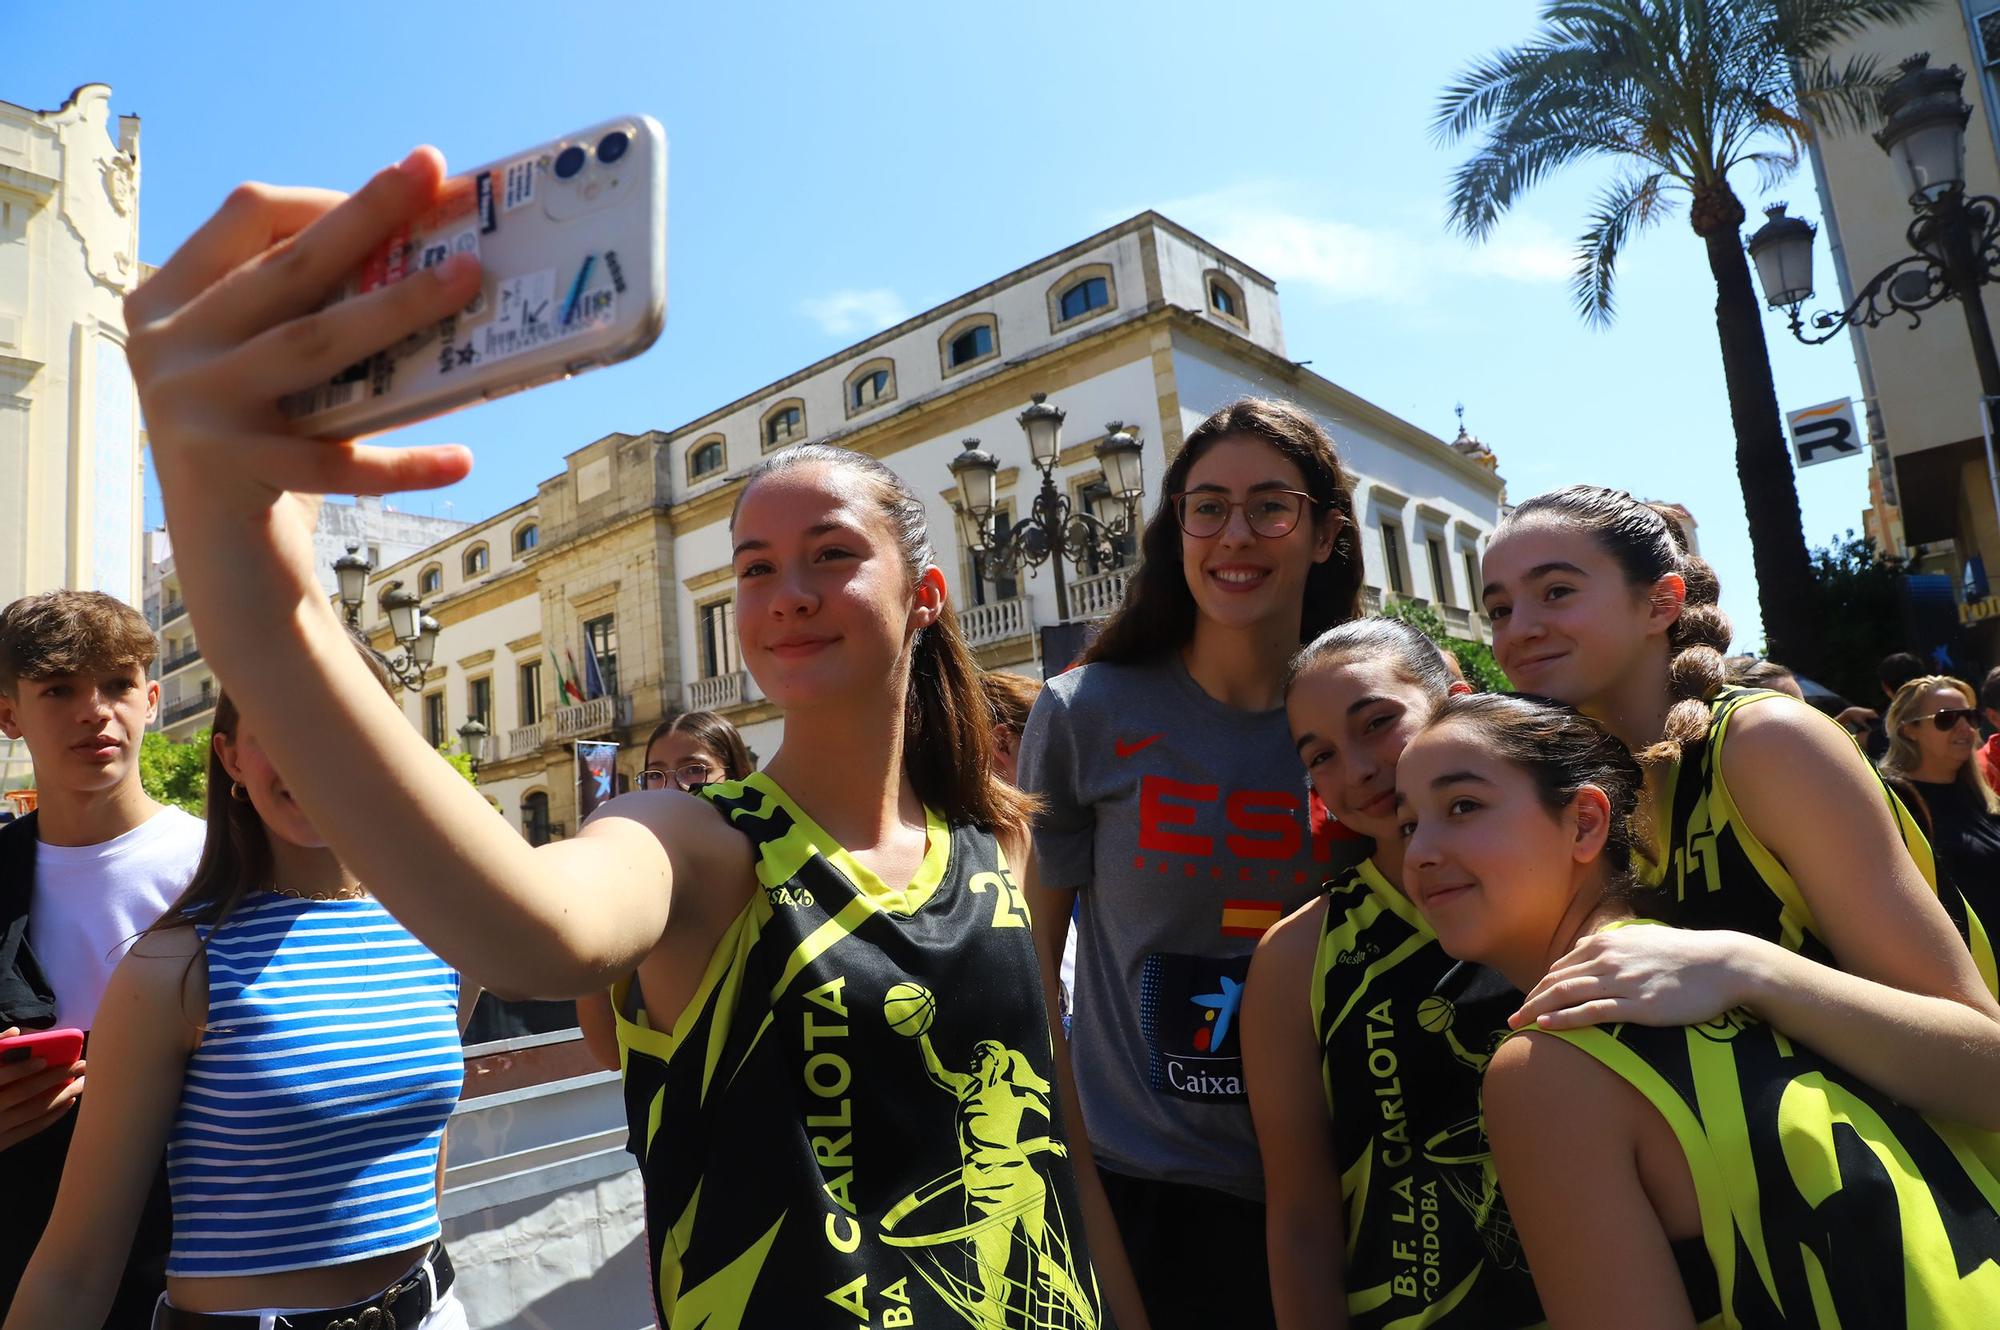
point(1096, 596)
point(527, 740)
point(713, 694)
point(171, 611)
point(588, 718)
point(172, 663)
point(1457, 621)
point(173, 713)
point(996, 621)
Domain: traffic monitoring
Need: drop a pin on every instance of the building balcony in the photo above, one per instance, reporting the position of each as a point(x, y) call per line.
point(586, 719)
point(1371, 600)
point(1096, 596)
point(171, 611)
point(184, 659)
point(1458, 622)
point(173, 713)
point(717, 693)
point(997, 621)
point(527, 740)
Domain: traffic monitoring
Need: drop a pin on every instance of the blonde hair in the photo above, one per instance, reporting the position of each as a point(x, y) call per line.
point(1904, 756)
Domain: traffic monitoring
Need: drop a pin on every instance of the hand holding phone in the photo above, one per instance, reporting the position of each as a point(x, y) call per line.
point(35, 1093)
point(55, 1048)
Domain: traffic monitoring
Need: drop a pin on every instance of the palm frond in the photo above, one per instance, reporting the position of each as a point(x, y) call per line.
point(1844, 99)
point(1628, 206)
point(1805, 28)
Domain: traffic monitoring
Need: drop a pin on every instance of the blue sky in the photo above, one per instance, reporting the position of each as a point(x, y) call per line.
point(837, 167)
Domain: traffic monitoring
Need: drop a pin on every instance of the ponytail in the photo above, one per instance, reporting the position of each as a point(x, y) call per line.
point(1648, 542)
point(947, 722)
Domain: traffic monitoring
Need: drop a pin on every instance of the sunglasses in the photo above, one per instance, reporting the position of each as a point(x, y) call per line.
point(1948, 720)
point(1270, 513)
point(686, 776)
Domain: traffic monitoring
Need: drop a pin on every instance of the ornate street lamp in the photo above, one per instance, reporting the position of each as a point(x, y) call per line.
point(415, 631)
point(477, 742)
point(350, 575)
point(1053, 530)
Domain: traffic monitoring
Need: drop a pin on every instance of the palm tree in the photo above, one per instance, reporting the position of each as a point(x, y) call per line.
point(1679, 93)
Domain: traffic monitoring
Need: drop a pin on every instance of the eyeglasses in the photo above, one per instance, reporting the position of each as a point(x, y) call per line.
point(1270, 513)
point(1947, 720)
point(686, 776)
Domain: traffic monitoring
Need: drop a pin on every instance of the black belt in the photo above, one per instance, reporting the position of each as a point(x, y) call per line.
point(401, 1306)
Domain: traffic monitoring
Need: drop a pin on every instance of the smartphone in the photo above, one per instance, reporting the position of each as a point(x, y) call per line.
point(571, 236)
point(56, 1048)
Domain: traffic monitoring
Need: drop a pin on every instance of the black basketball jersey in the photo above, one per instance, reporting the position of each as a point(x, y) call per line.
point(1718, 874)
point(1428, 1242)
point(854, 1121)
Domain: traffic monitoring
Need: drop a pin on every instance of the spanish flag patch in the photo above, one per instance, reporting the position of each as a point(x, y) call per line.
point(1249, 918)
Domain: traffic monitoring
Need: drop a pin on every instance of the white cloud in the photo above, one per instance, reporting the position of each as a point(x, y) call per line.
point(847, 313)
point(1406, 260)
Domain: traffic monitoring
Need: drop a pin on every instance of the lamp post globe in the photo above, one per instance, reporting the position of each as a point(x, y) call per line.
point(1782, 249)
point(978, 474)
point(1119, 453)
point(475, 739)
point(403, 612)
point(424, 650)
point(1043, 425)
point(1923, 129)
point(350, 576)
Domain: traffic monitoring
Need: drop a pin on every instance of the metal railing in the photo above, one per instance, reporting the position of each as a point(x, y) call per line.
point(713, 694)
point(171, 611)
point(172, 663)
point(996, 621)
point(175, 712)
point(1096, 596)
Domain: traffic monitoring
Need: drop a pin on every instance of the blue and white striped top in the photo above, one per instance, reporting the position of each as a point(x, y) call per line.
point(314, 1106)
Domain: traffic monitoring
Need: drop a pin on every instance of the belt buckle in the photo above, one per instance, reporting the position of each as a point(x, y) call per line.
point(378, 1317)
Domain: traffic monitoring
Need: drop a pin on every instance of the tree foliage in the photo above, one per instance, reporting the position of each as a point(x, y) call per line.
point(175, 773)
point(1482, 671)
point(1858, 597)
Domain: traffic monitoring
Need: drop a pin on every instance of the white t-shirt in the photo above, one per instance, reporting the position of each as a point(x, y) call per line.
point(91, 901)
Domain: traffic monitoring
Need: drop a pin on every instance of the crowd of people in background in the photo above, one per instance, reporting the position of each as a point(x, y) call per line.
point(1647, 996)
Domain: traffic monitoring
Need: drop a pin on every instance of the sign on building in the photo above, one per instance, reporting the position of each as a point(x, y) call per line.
point(1825, 433)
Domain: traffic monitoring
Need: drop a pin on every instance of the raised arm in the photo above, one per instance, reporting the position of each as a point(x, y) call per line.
point(1905, 1011)
point(229, 325)
point(1305, 1231)
point(139, 1048)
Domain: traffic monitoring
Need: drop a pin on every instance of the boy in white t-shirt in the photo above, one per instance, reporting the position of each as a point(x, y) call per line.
point(104, 862)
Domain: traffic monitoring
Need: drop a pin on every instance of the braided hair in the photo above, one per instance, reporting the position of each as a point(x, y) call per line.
point(1647, 542)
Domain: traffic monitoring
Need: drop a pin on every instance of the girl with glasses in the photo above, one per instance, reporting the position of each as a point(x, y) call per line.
point(841, 1074)
point(1933, 726)
point(684, 752)
point(1167, 814)
point(1805, 890)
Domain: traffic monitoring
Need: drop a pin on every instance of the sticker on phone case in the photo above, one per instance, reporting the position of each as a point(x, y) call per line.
point(488, 219)
point(519, 188)
point(529, 312)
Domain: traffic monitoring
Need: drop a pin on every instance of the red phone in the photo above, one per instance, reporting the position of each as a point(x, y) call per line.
point(56, 1048)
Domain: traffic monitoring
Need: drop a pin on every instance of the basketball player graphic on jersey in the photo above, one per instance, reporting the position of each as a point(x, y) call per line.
point(1020, 1276)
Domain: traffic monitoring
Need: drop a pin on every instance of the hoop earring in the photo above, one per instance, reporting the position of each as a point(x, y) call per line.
point(238, 793)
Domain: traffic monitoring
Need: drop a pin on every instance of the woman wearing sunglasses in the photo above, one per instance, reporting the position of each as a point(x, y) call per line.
point(1933, 726)
point(685, 752)
point(1173, 814)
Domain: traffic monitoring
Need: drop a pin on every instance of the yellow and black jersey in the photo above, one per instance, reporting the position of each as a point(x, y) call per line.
point(1720, 875)
point(1824, 1202)
point(854, 1122)
point(1428, 1243)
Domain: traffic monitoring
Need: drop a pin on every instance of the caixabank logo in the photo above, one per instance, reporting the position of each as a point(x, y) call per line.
point(1188, 1011)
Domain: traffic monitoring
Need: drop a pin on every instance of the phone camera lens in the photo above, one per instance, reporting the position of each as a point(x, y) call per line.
point(570, 161)
point(612, 146)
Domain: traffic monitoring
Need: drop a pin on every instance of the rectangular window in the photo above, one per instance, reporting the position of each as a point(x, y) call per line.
point(1472, 577)
point(531, 694)
point(718, 639)
point(434, 718)
point(990, 587)
point(479, 701)
point(600, 638)
point(1392, 558)
point(1440, 572)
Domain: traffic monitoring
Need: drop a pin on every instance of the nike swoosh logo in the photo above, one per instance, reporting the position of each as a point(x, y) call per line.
point(1128, 749)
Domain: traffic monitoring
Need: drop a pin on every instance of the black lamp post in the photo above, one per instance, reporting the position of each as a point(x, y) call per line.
point(415, 631)
point(1053, 530)
point(477, 741)
point(1955, 237)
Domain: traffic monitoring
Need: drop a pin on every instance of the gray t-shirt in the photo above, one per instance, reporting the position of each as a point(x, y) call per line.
point(1184, 825)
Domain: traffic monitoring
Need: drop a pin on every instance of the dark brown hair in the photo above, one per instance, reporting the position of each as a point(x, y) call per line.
point(236, 855)
point(70, 632)
point(1415, 656)
point(1648, 546)
point(1561, 751)
point(714, 732)
point(1158, 612)
point(1012, 697)
point(947, 724)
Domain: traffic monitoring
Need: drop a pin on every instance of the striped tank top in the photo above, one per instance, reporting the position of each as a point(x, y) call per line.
point(315, 1105)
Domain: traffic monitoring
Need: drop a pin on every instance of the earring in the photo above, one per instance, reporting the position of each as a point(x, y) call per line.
point(238, 793)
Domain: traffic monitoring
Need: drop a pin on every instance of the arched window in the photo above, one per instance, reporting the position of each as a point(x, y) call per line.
point(527, 537)
point(968, 342)
point(1225, 298)
point(784, 423)
point(1082, 293)
point(535, 817)
point(706, 457)
point(1079, 300)
point(431, 580)
point(477, 560)
point(871, 384)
